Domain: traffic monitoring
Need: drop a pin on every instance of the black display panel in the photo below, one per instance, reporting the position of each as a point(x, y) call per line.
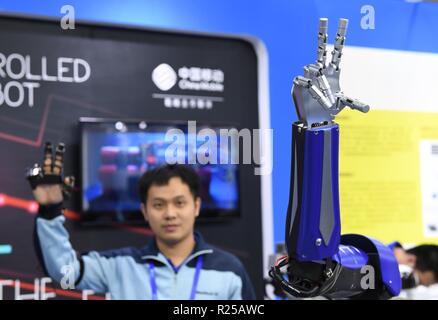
point(50, 78)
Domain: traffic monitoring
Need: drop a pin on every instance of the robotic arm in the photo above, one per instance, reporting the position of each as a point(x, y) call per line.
point(319, 261)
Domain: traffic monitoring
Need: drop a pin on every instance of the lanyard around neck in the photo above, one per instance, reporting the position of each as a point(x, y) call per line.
point(152, 279)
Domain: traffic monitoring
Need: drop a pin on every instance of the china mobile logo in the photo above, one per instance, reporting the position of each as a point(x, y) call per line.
point(24, 74)
point(188, 78)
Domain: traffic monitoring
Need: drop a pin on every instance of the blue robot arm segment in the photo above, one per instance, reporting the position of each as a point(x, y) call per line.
point(381, 257)
point(313, 221)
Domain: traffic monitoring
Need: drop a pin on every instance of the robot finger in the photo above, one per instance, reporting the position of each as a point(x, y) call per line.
point(313, 90)
point(319, 96)
point(324, 86)
point(302, 82)
point(322, 42)
point(353, 104)
point(339, 43)
point(312, 71)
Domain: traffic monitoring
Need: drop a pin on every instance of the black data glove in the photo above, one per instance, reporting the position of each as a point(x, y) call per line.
point(49, 187)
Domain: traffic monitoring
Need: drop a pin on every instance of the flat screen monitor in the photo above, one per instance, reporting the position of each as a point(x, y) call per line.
point(115, 154)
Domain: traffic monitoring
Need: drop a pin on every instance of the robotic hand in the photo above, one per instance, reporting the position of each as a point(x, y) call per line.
point(317, 95)
point(319, 261)
point(47, 182)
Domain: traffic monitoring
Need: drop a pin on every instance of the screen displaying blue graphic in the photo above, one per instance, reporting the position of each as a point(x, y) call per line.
point(5, 249)
point(116, 154)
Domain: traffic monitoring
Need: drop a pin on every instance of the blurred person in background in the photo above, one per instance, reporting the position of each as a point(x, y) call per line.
point(419, 269)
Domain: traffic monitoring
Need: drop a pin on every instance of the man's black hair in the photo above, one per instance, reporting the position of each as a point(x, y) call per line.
point(426, 258)
point(160, 177)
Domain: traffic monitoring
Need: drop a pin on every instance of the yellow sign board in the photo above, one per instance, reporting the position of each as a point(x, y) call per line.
point(389, 175)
